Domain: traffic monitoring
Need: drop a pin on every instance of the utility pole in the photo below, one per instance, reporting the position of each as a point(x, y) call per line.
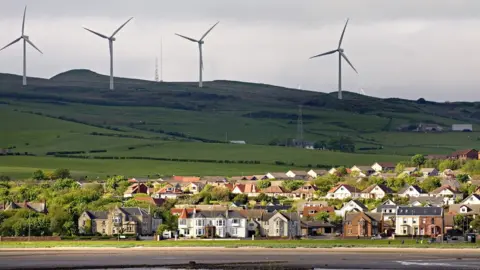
point(156, 69)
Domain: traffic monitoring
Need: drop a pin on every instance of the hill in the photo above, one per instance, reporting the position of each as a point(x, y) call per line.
point(77, 103)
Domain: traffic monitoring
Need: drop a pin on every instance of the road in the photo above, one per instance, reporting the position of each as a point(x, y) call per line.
point(240, 258)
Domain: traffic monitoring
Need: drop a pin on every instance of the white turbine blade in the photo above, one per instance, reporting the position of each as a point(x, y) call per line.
point(114, 33)
point(23, 24)
point(191, 39)
point(348, 61)
point(343, 33)
point(33, 45)
point(98, 34)
point(11, 43)
point(322, 54)
point(206, 33)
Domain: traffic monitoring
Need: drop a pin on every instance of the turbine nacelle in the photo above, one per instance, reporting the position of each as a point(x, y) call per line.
point(112, 38)
point(340, 50)
point(201, 42)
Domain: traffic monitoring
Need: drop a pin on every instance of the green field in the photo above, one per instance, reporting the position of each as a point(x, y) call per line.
point(408, 243)
point(75, 112)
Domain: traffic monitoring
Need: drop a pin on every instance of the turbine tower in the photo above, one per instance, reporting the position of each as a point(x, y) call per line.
point(341, 53)
point(110, 39)
point(200, 44)
point(26, 39)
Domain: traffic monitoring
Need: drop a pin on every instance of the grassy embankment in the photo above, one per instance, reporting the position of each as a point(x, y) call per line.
point(409, 243)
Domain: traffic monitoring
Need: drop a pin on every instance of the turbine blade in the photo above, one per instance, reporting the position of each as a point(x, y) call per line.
point(191, 39)
point(343, 33)
point(98, 34)
point(114, 33)
point(327, 53)
point(23, 24)
point(33, 45)
point(11, 43)
point(206, 33)
point(348, 61)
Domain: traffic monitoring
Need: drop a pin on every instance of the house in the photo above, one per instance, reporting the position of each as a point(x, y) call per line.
point(447, 173)
point(383, 166)
point(462, 127)
point(312, 211)
point(362, 224)
point(136, 188)
point(249, 189)
point(275, 191)
point(465, 209)
point(317, 173)
point(448, 191)
point(351, 206)
point(123, 220)
point(316, 227)
point(168, 192)
point(38, 207)
point(193, 187)
point(472, 199)
point(343, 191)
point(306, 192)
point(297, 174)
point(362, 171)
point(278, 224)
point(213, 179)
point(276, 175)
point(254, 220)
point(422, 221)
point(384, 175)
point(211, 223)
point(238, 142)
point(427, 201)
point(465, 154)
point(411, 191)
point(388, 209)
point(409, 170)
point(150, 200)
point(185, 179)
point(426, 172)
point(436, 157)
point(376, 191)
point(333, 171)
point(429, 127)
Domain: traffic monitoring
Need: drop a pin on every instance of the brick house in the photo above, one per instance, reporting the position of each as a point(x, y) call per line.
point(362, 224)
point(465, 154)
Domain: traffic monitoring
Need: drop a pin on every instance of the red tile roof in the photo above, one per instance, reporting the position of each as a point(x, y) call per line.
point(186, 178)
point(153, 201)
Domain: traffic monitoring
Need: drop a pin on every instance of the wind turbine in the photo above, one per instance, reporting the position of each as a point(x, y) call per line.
point(341, 54)
point(26, 39)
point(110, 39)
point(200, 44)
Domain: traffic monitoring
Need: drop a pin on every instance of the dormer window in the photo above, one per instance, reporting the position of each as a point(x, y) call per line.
point(463, 209)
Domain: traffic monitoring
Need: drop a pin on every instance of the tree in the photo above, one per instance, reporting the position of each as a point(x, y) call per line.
point(261, 184)
point(240, 199)
point(475, 224)
point(462, 178)
point(322, 216)
point(292, 184)
point(430, 184)
point(448, 164)
point(472, 167)
point(61, 173)
point(4, 178)
point(343, 144)
point(220, 194)
point(324, 184)
point(162, 228)
point(418, 160)
point(400, 168)
point(320, 145)
point(65, 183)
point(38, 175)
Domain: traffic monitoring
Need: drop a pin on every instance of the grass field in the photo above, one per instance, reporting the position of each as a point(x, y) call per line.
point(19, 167)
point(409, 243)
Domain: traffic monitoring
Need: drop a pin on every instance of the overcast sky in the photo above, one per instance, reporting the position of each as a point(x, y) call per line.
point(406, 48)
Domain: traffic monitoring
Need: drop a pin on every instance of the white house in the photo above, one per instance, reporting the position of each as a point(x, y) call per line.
point(409, 170)
point(316, 173)
point(297, 174)
point(376, 192)
point(462, 127)
point(343, 191)
point(412, 191)
point(276, 175)
point(332, 171)
point(208, 223)
point(193, 187)
point(351, 206)
point(429, 172)
point(413, 220)
point(447, 191)
point(472, 199)
point(363, 171)
point(388, 209)
point(383, 166)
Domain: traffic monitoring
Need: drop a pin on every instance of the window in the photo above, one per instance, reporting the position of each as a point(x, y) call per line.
point(234, 231)
point(182, 221)
point(464, 209)
point(84, 223)
point(405, 221)
point(432, 220)
point(424, 220)
point(199, 222)
point(103, 223)
point(374, 223)
point(235, 221)
point(311, 212)
point(103, 230)
point(390, 211)
point(186, 231)
point(199, 231)
point(414, 220)
point(404, 231)
point(220, 231)
point(350, 231)
point(220, 222)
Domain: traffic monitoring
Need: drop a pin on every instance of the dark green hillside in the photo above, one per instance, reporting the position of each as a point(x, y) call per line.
point(140, 113)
